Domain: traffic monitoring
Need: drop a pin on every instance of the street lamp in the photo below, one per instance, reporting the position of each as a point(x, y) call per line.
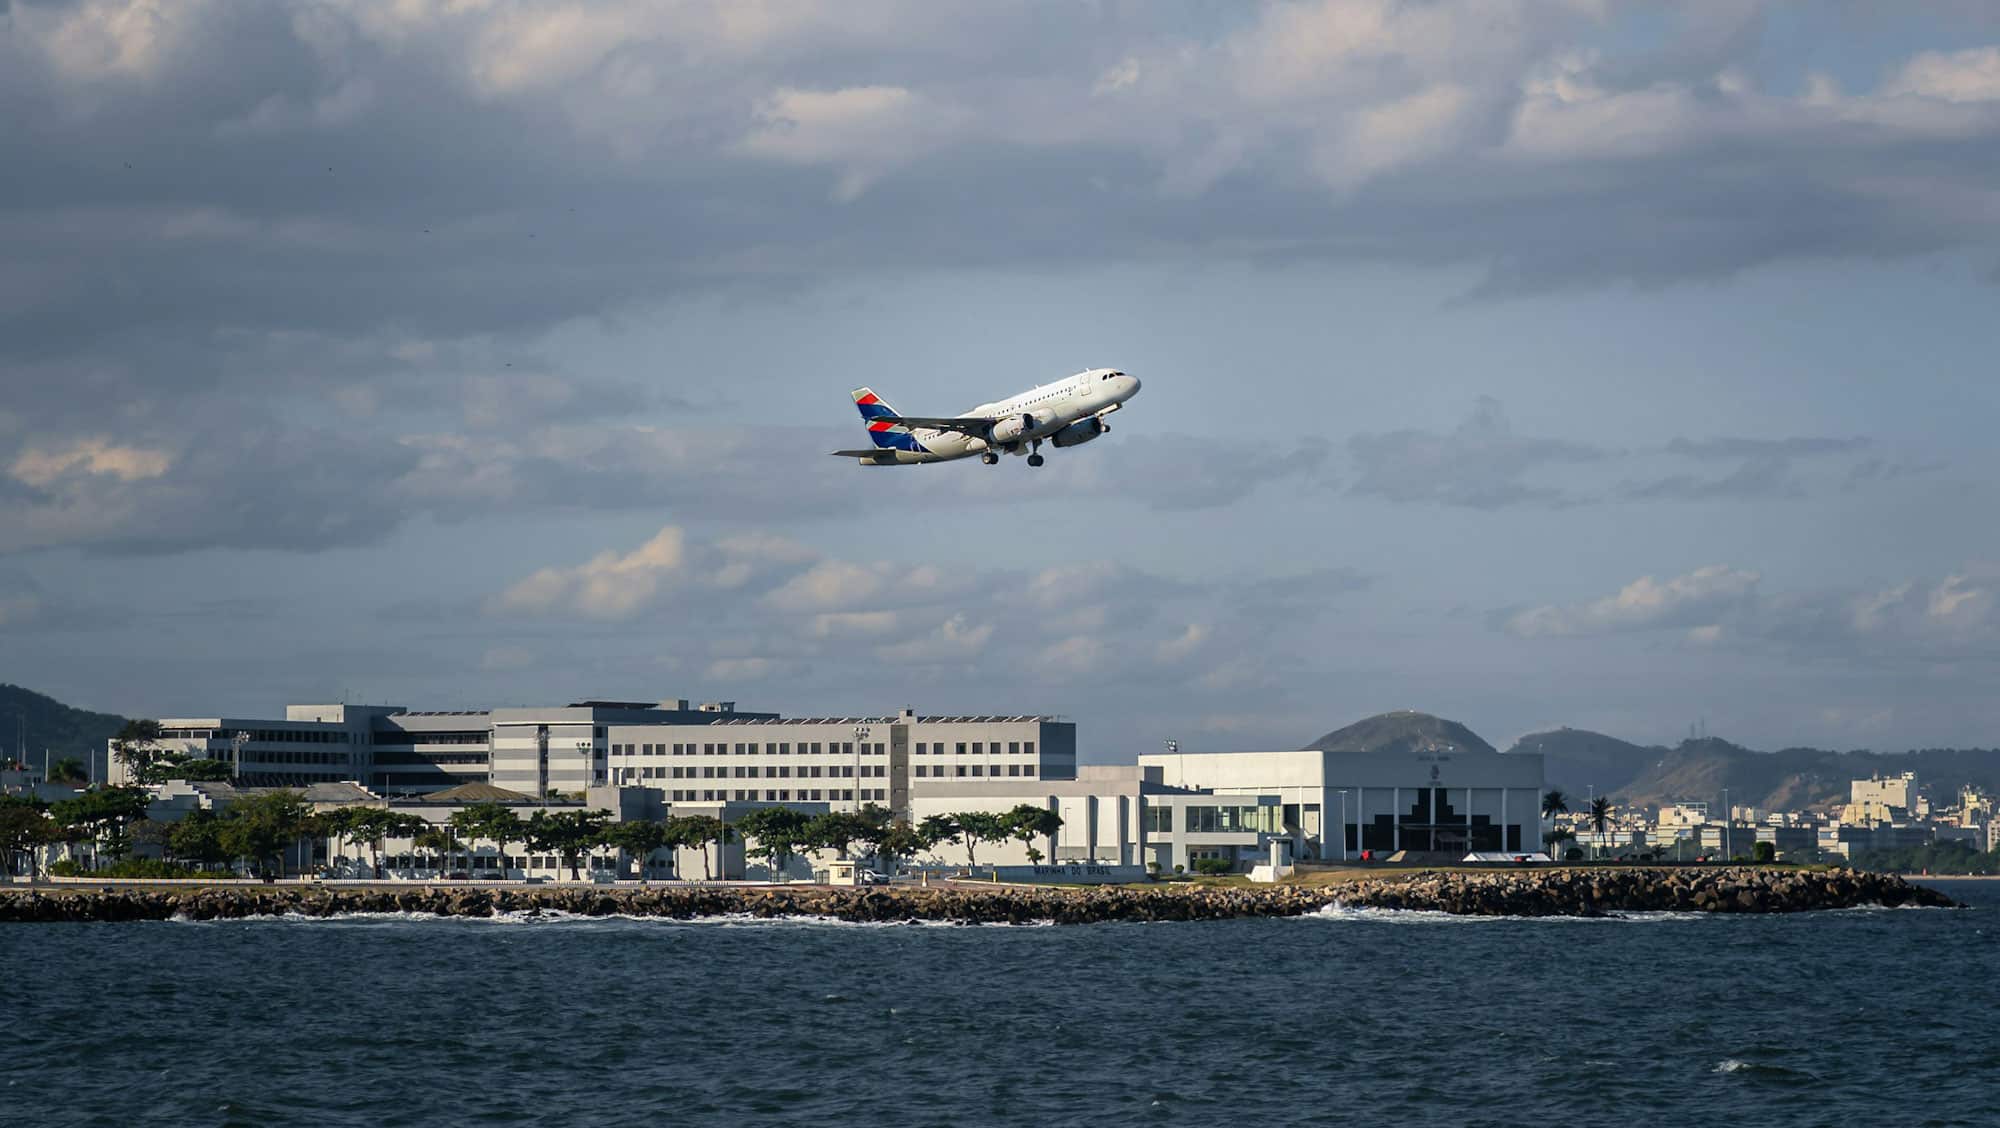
point(861, 733)
point(236, 743)
point(584, 748)
point(1728, 817)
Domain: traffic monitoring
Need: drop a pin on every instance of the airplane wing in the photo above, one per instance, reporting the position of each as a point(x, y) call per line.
point(965, 424)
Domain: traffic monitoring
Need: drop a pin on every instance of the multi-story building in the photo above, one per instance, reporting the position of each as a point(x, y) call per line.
point(845, 762)
point(1880, 799)
point(709, 753)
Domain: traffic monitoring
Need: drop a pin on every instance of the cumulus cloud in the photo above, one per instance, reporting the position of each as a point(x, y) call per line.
point(1951, 617)
point(1700, 599)
point(812, 615)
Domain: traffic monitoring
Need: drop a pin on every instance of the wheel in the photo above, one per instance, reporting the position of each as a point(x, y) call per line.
point(1034, 460)
point(990, 459)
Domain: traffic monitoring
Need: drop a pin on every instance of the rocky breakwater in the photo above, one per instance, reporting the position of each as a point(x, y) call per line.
point(1596, 892)
point(969, 904)
point(1559, 892)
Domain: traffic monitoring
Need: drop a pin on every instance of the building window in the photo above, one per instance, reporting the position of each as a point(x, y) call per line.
point(979, 769)
point(961, 769)
point(961, 747)
point(1028, 747)
point(1013, 747)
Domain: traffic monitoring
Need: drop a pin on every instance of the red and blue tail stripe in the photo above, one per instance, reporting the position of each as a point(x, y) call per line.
point(885, 427)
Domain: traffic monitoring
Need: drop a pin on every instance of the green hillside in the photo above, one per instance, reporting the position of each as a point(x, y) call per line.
point(1579, 761)
point(1403, 731)
point(49, 724)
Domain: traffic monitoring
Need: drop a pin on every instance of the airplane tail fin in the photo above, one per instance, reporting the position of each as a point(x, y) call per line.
point(881, 419)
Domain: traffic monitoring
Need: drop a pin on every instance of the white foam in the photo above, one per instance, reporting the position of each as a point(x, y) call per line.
point(1730, 1065)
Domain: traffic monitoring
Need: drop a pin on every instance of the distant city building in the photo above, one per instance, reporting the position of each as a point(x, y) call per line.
point(1880, 799)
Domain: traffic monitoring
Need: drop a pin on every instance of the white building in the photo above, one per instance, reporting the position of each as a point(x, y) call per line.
point(708, 753)
point(1337, 804)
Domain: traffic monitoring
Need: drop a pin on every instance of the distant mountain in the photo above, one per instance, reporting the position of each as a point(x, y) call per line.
point(1402, 731)
point(1578, 760)
point(46, 723)
point(1788, 779)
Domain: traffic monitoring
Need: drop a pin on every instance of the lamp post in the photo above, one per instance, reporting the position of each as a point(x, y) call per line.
point(236, 744)
point(861, 733)
point(1728, 853)
point(1343, 823)
point(584, 748)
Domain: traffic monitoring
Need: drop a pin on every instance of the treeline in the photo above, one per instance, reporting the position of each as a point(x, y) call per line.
point(1939, 857)
point(255, 832)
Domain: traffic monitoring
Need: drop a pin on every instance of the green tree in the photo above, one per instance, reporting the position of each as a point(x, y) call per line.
point(437, 842)
point(778, 832)
point(258, 828)
point(372, 826)
point(69, 770)
point(100, 814)
point(24, 829)
point(936, 830)
point(699, 832)
point(137, 745)
point(1764, 853)
point(1553, 840)
point(489, 822)
point(1029, 822)
point(567, 833)
point(197, 837)
point(837, 830)
point(975, 827)
point(1554, 803)
point(640, 838)
point(1600, 817)
point(897, 841)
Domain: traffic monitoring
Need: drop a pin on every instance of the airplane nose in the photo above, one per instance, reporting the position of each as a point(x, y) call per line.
point(1134, 389)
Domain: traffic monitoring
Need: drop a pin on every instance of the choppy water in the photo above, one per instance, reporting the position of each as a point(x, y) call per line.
point(1887, 1017)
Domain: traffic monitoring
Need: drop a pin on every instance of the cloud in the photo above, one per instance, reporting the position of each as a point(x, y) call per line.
point(1766, 448)
point(1950, 618)
point(818, 619)
point(1701, 598)
point(1953, 76)
point(41, 467)
point(1481, 464)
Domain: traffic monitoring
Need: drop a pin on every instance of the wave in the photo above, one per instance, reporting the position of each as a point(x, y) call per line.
point(1341, 912)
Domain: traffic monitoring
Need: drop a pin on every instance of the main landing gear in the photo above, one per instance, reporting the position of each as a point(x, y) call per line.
point(1035, 460)
point(990, 459)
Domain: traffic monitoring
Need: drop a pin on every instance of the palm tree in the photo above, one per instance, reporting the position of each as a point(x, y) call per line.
point(1554, 803)
point(435, 840)
point(1600, 817)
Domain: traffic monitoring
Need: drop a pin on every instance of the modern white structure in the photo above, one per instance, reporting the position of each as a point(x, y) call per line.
point(1337, 804)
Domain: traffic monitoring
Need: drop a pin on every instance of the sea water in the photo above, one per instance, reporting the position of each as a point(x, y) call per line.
point(1347, 1017)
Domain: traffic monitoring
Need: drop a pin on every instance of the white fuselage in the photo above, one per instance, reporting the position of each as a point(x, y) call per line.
point(1029, 418)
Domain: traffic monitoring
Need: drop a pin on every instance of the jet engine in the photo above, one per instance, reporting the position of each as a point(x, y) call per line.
point(1011, 429)
point(1079, 432)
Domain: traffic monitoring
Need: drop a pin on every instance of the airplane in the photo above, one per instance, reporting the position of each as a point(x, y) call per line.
point(1066, 413)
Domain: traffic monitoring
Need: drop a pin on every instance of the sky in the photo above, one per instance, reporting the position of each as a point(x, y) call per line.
point(1575, 362)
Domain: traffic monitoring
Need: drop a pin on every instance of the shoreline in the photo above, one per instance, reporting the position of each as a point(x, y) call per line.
point(1548, 893)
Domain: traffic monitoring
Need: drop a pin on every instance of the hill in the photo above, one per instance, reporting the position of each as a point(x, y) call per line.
point(1797, 778)
point(1403, 731)
point(1578, 760)
point(49, 724)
